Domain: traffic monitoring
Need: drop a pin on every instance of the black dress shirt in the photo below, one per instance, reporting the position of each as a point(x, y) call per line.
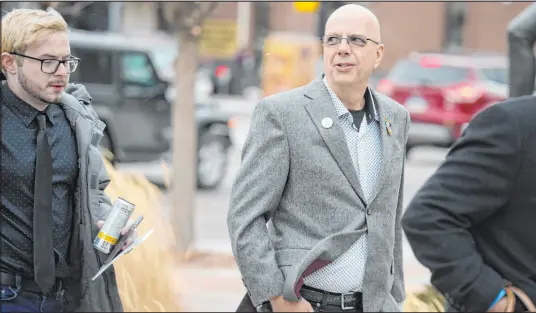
point(19, 135)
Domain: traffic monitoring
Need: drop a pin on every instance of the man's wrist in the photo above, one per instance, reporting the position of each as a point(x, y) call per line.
point(501, 295)
point(276, 299)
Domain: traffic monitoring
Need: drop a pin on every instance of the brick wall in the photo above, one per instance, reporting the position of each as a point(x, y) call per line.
point(409, 26)
point(283, 17)
point(225, 10)
point(406, 26)
point(486, 24)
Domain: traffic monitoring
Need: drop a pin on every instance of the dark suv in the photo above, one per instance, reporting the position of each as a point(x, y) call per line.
point(129, 79)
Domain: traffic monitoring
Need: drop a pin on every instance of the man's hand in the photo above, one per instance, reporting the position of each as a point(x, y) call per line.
point(125, 230)
point(279, 304)
point(500, 306)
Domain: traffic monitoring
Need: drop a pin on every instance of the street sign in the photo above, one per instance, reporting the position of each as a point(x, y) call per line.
point(218, 39)
point(306, 7)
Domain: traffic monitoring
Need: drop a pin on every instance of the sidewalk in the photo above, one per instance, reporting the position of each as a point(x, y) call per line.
point(210, 282)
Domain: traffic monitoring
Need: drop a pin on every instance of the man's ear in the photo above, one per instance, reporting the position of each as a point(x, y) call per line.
point(9, 63)
point(379, 55)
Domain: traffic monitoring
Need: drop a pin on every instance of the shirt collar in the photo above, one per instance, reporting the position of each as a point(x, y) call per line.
point(26, 112)
point(370, 105)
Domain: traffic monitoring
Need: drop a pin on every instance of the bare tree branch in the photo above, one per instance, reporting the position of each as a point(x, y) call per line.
point(187, 17)
point(67, 8)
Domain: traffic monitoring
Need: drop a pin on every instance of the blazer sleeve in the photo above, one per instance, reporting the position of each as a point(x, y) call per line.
point(398, 291)
point(475, 181)
point(255, 195)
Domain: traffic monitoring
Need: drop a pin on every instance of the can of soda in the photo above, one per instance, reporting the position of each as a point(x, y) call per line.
point(116, 221)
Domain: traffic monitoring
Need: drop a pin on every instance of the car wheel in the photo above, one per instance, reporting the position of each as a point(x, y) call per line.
point(211, 161)
point(106, 148)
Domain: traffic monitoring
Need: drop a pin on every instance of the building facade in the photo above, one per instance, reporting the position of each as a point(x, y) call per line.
point(406, 26)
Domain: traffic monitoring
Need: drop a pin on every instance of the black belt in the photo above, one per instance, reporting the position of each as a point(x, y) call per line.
point(16, 281)
point(346, 301)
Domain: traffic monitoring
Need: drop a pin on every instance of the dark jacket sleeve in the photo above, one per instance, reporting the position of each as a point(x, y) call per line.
point(474, 181)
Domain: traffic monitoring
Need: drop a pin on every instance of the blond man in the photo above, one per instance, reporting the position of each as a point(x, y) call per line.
point(53, 177)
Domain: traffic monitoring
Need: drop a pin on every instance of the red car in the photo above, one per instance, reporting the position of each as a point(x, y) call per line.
point(443, 92)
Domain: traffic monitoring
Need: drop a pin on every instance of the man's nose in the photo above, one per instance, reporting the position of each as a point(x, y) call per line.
point(61, 71)
point(344, 48)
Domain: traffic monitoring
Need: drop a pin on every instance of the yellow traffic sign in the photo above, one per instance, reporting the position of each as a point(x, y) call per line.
point(218, 38)
point(306, 7)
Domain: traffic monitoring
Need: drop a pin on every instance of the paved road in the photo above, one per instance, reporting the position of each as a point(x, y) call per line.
point(211, 210)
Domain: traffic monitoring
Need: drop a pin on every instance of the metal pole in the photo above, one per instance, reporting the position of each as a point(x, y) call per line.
point(243, 24)
point(322, 17)
point(115, 16)
point(262, 28)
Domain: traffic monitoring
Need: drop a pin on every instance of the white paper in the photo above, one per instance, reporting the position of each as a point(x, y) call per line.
point(133, 245)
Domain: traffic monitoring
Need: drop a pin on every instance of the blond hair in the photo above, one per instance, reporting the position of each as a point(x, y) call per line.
point(24, 27)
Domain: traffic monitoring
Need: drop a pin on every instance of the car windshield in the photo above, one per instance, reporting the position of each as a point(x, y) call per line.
point(164, 61)
point(495, 74)
point(408, 72)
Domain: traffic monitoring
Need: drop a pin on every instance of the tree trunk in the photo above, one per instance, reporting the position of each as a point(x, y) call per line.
point(184, 173)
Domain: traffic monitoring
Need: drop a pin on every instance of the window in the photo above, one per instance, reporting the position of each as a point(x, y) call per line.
point(137, 70)
point(413, 73)
point(164, 61)
point(495, 74)
point(95, 66)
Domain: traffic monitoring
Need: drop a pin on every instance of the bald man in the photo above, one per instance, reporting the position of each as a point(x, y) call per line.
point(314, 216)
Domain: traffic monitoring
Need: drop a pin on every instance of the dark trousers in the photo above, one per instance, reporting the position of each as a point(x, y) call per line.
point(18, 300)
point(247, 306)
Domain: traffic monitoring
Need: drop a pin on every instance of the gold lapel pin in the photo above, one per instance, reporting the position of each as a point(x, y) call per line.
point(388, 126)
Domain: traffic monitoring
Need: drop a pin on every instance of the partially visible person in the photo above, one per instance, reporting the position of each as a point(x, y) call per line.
point(472, 223)
point(53, 178)
point(521, 40)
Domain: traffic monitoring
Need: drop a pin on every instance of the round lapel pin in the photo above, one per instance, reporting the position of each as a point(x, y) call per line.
point(327, 122)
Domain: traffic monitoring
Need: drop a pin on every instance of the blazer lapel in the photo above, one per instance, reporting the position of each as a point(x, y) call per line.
point(384, 111)
point(319, 108)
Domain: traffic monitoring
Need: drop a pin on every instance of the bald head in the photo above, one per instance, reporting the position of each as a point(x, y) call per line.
point(349, 63)
point(357, 17)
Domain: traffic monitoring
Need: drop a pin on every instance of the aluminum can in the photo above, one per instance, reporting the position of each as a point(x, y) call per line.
point(111, 230)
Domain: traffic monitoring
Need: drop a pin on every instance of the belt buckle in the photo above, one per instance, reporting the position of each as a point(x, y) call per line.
point(343, 306)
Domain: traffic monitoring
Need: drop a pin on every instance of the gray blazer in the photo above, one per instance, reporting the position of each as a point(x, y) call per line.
point(298, 177)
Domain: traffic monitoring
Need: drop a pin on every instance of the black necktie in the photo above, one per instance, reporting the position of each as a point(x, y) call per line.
point(44, 263)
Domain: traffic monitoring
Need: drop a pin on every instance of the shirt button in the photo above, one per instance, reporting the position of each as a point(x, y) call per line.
point(369, 212)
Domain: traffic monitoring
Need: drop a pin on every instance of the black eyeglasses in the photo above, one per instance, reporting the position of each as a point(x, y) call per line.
point(50, 66)
point(353, 40)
